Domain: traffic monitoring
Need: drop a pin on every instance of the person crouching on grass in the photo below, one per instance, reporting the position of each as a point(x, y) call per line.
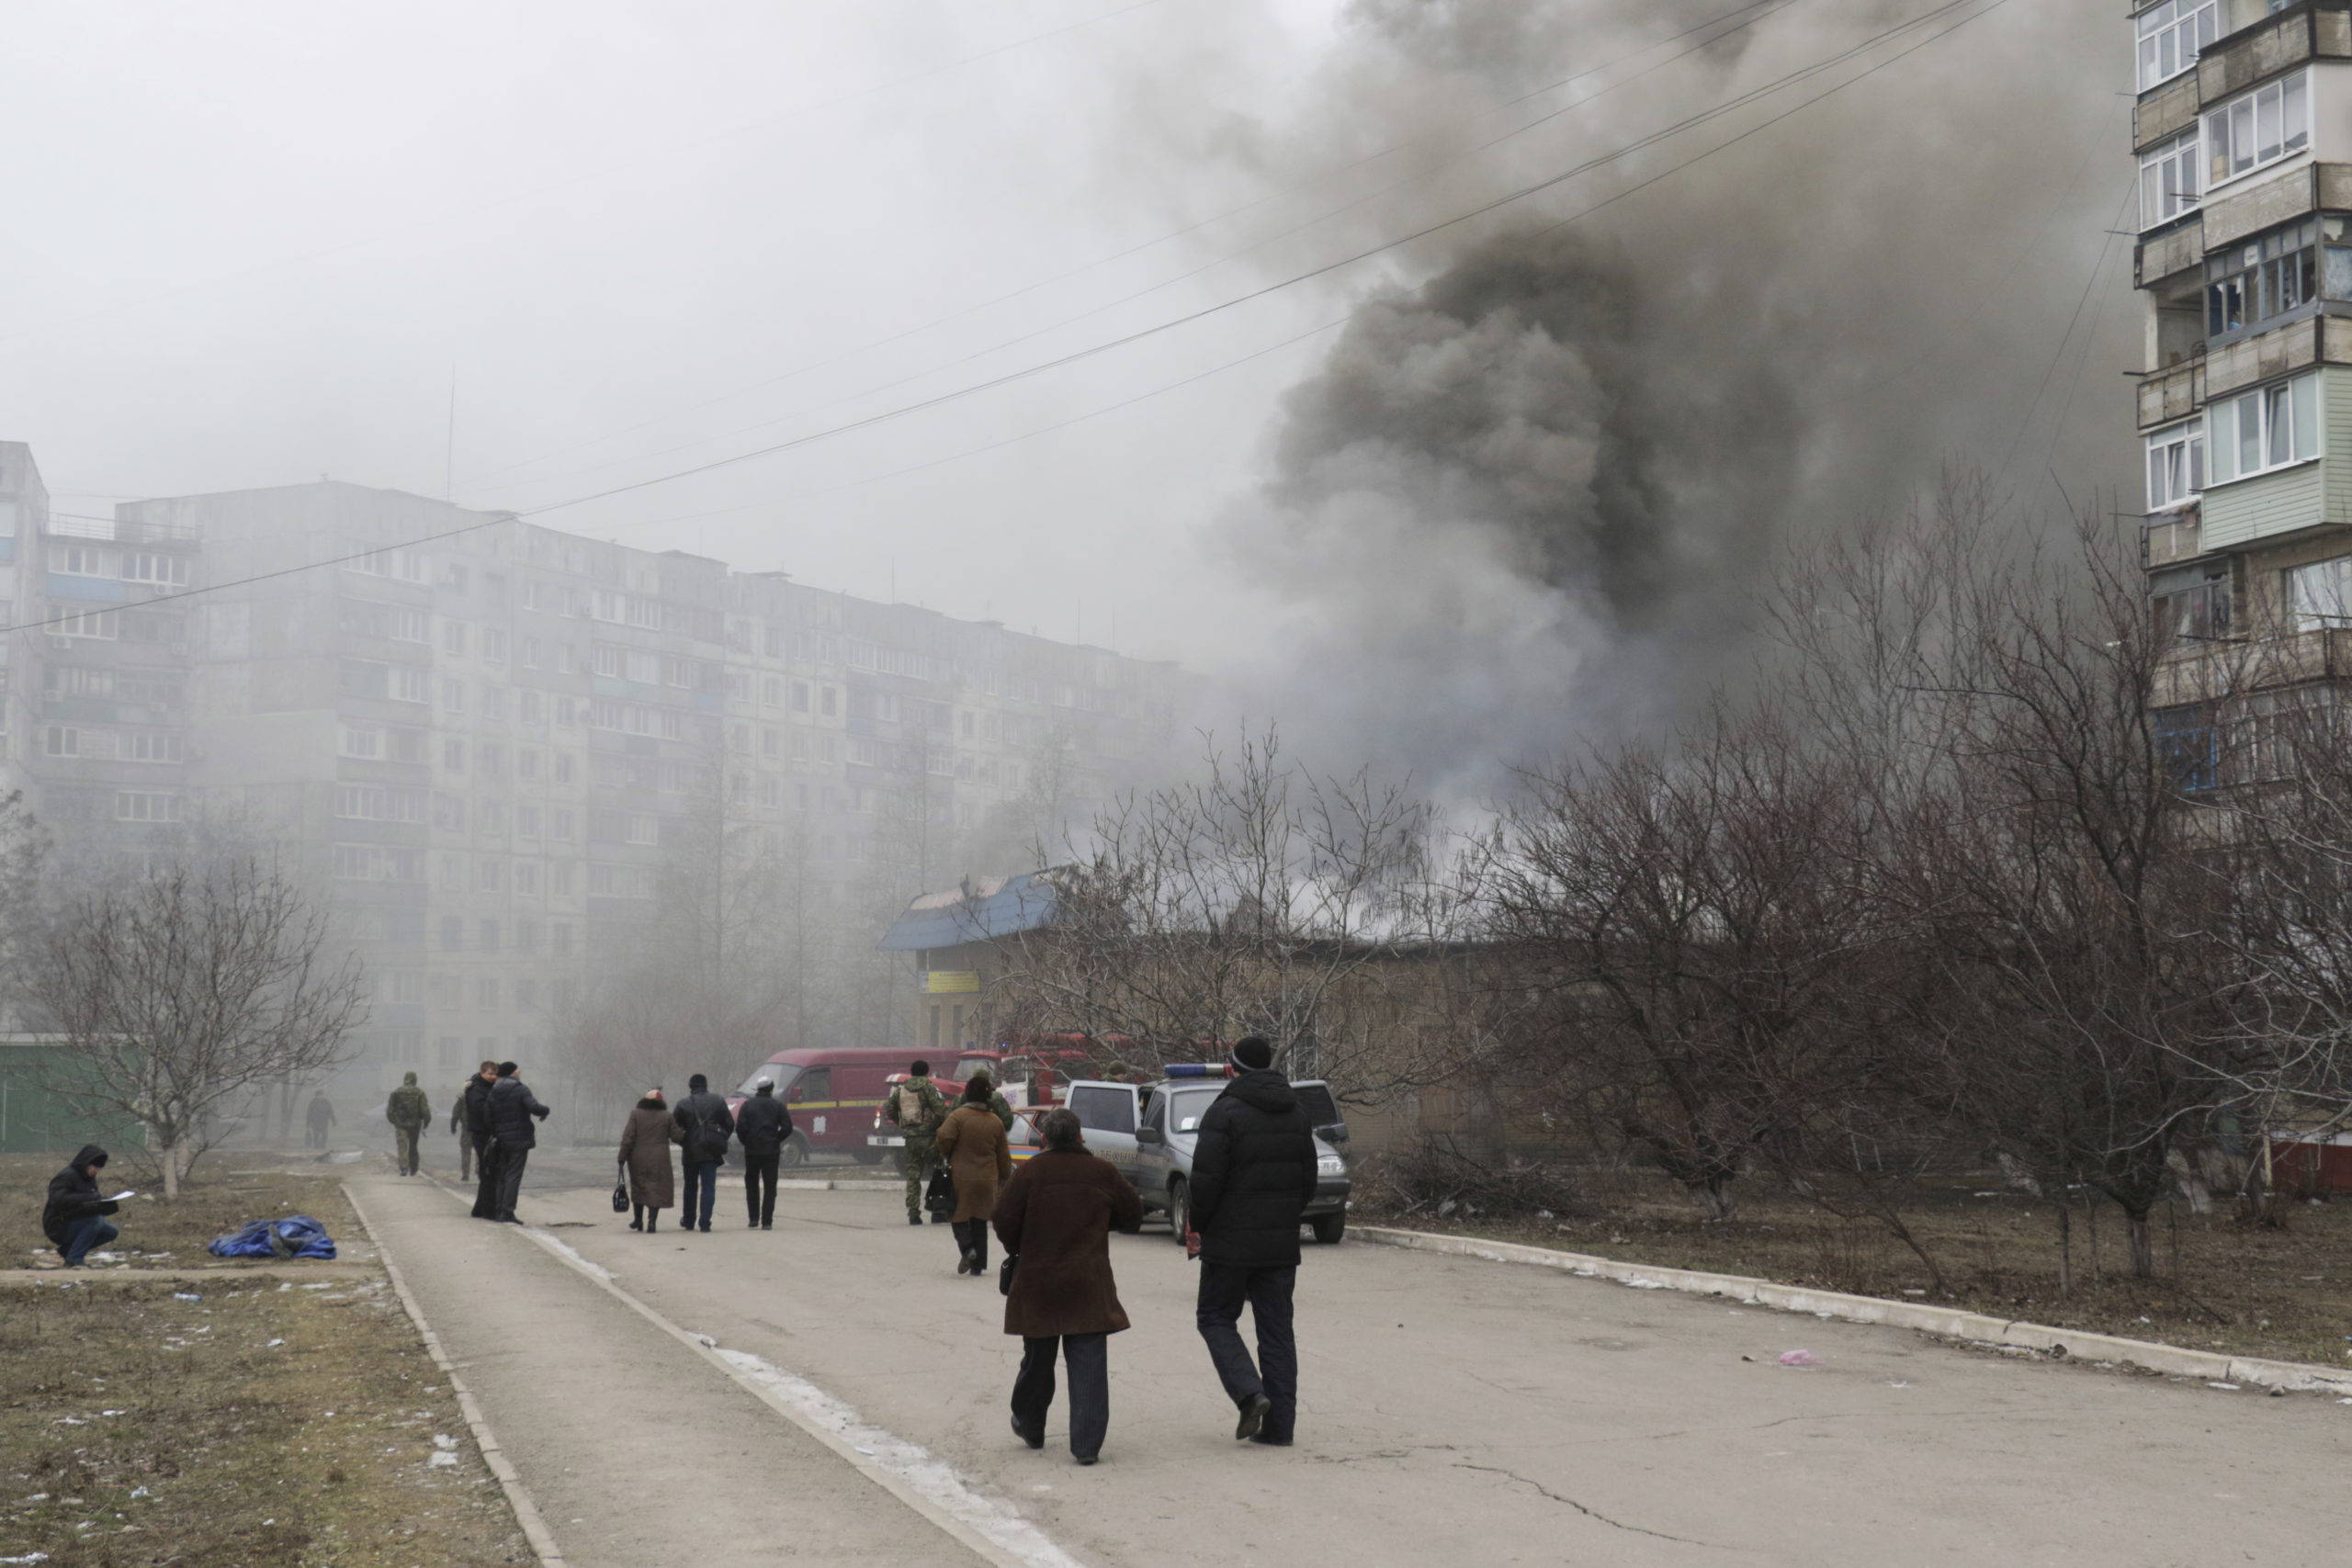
point(74, 1216)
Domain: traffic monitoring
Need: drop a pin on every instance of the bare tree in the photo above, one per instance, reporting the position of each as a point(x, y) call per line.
point(180, 991)
point(24, 847)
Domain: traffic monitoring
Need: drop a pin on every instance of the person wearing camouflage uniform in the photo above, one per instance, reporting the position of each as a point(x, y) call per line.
point(999, 1107)
point(917, 1108)
point(410, 1114)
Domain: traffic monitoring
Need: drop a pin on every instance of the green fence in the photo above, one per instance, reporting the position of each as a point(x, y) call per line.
point(35, 1119)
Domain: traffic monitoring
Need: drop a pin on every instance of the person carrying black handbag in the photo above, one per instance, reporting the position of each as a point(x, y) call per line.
point(1057, 1215)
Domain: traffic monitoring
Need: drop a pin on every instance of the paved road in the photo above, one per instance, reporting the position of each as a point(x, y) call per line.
point(1454, 1412)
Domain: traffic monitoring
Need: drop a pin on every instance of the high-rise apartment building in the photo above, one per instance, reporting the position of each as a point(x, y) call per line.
point(489, 741)
point(2243, 131)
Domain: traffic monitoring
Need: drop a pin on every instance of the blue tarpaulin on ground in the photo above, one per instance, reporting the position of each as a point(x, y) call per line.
point(297, 1236)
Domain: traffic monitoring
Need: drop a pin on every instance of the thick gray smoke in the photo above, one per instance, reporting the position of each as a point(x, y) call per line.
point(1529, 489)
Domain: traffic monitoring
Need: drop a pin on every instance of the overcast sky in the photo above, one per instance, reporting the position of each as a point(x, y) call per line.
point(251, 245)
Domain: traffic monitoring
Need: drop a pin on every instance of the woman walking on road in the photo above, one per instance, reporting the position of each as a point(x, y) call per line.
point(1055, 1218)
point(979, 1157)
point(645, 1156)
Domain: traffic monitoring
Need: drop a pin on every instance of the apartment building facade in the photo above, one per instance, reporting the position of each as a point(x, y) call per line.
point(487, 741)
point(2244, 133)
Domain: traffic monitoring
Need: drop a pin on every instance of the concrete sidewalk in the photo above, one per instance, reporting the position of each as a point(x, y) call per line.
point(636, 1450)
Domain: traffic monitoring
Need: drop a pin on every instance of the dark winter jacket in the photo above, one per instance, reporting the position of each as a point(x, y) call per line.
point(477, 1108)
point(704, 1121)
point(1057, 1215)
point(73, 1195)
point(645, 1154)
point(1253, 1173)
point(764, 1123)
point(511, 1107)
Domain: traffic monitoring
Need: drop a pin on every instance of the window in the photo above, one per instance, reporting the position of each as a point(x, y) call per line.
point(559, 879)
point(362, 677)
point(410, 685)
point(531, 706)
point(488, 875)
point(2320, 595)
point(644, 828)
point(453, 873)
point(62, 740)
point(453, 693)
point(527, 880)
point(526, 821)
point(2277, 273)
point(563, 767)
point(490, 936)
point(772, 692)
point(2188, 742)
point(164, 571)
point(452, 756)
point(771, 742)
point(486, 994)
point(493, 816)
point(2265, 429)
point(80, 561)
point(453, 934)
point(771, 791)
point(104, 625)
point(527, 762)
point(408, 626)
point(2259, 129)
point(560, 823)
point(831, 697)
point(2175, 464)
point(362, 740)
point(527, 996)
point(145, 806)
point(378, 863)
point(453, 638)
point(800, 696)
point(449, 812)
point(374, 803)
point(493, 646)
point(490, 758)
point(2169, 179)
point(2196, 609)
point(2172, 34)
point(560, 938)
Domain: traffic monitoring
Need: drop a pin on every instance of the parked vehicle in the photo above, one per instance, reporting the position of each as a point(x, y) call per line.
point(1149, 1131)
point(834, 1096)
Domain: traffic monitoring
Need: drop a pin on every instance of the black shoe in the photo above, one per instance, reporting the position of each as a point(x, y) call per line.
point(637, 1224)
point(1088, 1459)
point(1035, 1440)
point(706, 1230)
point(766, 1226)
point(964, 1265)
point(941, 1220)
point(1271, 1441)
point(1253, 1416)
point(914, 1219)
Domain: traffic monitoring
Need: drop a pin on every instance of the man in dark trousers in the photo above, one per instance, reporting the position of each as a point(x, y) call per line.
point(703, 1126)
point(476, 1106)
point(512, 1111)
point(1253, 1175)
point(464, 1132)
point(764, 1125)
point(317, 1119)
point(75, 1217)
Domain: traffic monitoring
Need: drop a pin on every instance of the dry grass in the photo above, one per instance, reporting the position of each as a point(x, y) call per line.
point(2282, 1291)
point(265, 1423)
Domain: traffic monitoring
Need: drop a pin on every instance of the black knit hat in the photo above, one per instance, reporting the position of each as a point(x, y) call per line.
point(1252, 1053)
point(696, 1084)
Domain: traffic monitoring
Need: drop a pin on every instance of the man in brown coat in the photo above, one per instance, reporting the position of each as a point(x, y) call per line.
point(1056, 1217)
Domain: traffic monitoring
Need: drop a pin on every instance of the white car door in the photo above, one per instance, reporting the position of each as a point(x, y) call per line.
point(1107, 1111)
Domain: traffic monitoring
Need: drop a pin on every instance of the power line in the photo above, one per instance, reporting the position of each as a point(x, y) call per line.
point(1762, 7)
point(1076, 355)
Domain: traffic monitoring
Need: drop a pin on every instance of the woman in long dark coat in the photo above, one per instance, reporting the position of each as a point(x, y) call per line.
point(1056, 1217)
point(645, 1155)
point(973, 1143)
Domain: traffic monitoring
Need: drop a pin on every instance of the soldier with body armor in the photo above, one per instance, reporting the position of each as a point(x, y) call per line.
point(917, 1108)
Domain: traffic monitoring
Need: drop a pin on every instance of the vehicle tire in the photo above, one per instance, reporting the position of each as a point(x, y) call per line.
point(1330, 1228)
point(1180, 1209)
point(794, 1155)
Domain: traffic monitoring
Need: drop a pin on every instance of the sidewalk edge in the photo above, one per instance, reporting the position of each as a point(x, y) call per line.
point(1950, 1322)
point(526, 1513)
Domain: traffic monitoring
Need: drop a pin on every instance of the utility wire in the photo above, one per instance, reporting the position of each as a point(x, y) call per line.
point(1762, 8)
point(1008, 378)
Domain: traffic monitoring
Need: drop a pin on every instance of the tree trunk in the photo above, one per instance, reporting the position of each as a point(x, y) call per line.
point(169, 1157)
point(2065, 1245)
point(2141, 1236)
point(1715, 1193)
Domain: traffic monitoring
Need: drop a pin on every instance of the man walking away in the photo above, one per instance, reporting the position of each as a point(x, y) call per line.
point(410, 1113)
point(1056, 1217)
point(477, 1109)
point(75, 1217)
point(765, 1125)
point(464, 1134)
point(316, 1120)
point(513, 1109)
point(1253, 1175)
point(998, 1106)
point(706, 1124)
point(917, 1108)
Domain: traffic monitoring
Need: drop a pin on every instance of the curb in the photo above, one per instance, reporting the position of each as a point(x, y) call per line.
point(526, 1513)
point(1947, 1323)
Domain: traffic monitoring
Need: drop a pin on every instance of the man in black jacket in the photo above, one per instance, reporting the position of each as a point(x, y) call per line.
point(705, 1125)
point(765, 1125)
point(74, 1216)
point(476, 1106)
point(513, 1107)
point(1253, 1175)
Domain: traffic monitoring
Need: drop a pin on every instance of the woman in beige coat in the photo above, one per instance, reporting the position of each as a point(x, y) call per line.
point(979, 1156)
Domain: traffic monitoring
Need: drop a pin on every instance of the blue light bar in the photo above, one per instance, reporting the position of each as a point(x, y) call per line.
point(1195, 1070)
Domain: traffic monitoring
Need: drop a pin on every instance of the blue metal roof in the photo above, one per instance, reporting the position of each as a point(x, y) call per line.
point(974, 913)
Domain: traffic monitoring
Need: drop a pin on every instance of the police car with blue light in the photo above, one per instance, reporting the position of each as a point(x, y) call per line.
point(1149, 1131)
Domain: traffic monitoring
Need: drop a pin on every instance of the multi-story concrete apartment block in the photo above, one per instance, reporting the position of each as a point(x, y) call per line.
point(489, 742)
point(2243, 131)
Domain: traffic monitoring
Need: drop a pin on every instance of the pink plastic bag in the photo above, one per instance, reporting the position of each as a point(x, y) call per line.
point(1799, 1359)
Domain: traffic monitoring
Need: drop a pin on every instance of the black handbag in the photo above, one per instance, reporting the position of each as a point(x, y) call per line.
point(940, 1196)
point(620, 1196)
point(1004, 1274)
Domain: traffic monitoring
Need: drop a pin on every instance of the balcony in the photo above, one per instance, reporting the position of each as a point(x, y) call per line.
point(2167, 538)
point(2317, 340)
point(2175, 392)
point(2213, 671)
point(2177, 250)
point(2313, 30)
point(2165, 111)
